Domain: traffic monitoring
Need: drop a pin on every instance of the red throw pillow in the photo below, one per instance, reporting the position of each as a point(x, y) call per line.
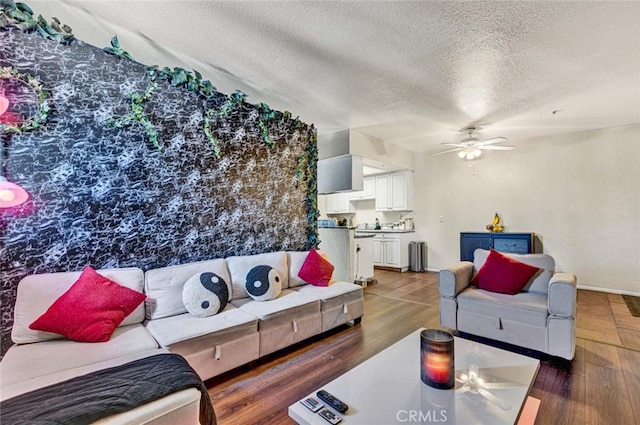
point(502, 274)
point(316, 270)
point(90, 310)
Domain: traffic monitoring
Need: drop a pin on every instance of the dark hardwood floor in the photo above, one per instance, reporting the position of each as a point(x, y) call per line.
point(600, 386)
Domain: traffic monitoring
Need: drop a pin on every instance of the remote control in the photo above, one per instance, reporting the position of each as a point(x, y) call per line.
point(330, 416)
point(312, 404)
point(332, 401)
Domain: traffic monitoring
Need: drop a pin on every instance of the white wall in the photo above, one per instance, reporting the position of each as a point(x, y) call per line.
point(365, 212)
point(372, 148)
point(580, 192)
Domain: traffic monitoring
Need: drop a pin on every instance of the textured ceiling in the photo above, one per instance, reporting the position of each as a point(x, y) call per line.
point(410, 73)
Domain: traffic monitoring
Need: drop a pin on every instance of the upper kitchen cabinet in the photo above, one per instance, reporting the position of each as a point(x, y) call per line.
point(368, 192)
point(340, 203)
point(394, 191)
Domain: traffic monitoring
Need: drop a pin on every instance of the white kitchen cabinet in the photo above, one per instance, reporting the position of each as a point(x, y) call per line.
point(369, 185)
point(340, 203)
point(378, 251)
point(394, 191)
point(391, 251)
point(368, 192)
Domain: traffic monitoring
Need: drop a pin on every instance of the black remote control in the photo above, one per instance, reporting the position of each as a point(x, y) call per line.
point(332, 401)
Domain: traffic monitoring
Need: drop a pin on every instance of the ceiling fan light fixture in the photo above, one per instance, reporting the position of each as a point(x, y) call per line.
point(469, 153)
point(471, 147)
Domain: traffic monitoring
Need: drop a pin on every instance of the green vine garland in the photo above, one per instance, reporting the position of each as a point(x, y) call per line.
point(267, 114)
point(234, 100)
point(138, 114)
point(307, 175)
point(116, 50)
point(180, 77)
point(41, 95)
point(20, 15)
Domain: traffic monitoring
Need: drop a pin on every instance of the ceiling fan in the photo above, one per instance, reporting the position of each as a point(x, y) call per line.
point(471, 147)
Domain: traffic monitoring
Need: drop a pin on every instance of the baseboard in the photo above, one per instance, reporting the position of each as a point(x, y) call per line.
point(392, 269)
point(431, 269)
point(609, 290)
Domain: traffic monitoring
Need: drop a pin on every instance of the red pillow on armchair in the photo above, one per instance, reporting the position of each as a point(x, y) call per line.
point(502, 274)
point(316, 270)
point(90, 310)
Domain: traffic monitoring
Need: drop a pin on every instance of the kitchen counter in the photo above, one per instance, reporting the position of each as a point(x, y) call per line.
point(351, 255)
point(337, 227)
point(384, 231)
point(368, 235)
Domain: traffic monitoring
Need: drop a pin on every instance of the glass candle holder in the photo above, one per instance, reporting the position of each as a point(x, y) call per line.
point(436, 359)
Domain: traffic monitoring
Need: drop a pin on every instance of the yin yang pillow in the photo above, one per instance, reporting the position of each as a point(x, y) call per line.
point(263, 283)
point(205, 294)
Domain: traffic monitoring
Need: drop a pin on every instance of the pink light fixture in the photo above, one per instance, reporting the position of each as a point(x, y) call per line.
point(4, 104)
point(11, 195)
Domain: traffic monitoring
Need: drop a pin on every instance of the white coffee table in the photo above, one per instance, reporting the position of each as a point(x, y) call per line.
point(386, 389)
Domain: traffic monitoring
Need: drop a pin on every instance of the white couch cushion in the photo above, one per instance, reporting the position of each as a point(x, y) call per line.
point(241, 265)
point(525, 307)
point(333, 295)
point(17, 379)
point(23, 362)
point(544, 262)
point(288, 306)
point(172, 330)
point(37, 292)
point(164, 286)
point(296, 260)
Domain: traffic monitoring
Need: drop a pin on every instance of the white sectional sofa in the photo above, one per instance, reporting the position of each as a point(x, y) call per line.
point(39, 359)
point(244, 331)
point(247, 329)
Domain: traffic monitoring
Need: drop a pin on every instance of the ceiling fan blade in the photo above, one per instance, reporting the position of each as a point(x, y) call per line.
point(457, 145)
point(496, 148)
point(492, 141)
point(447, 151)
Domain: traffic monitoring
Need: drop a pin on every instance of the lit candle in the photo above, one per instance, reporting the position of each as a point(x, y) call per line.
point(438, 367)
